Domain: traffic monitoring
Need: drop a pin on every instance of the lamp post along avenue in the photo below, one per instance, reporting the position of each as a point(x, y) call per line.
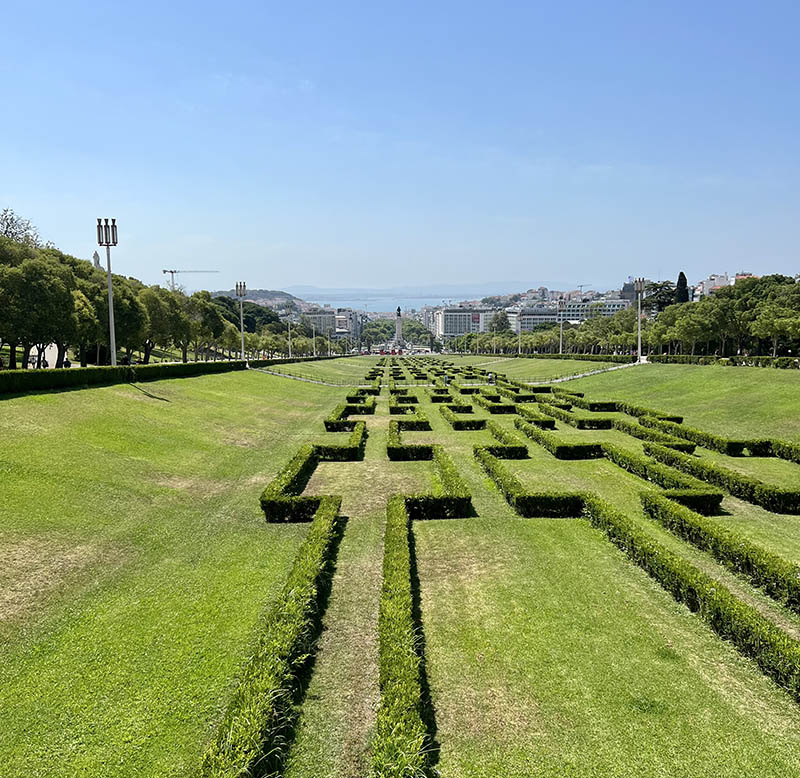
point(241, 290)
point(561, 306)
point(638, 286)
point(107, 236)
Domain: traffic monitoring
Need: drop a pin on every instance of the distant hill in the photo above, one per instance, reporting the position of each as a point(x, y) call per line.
point(272, 298)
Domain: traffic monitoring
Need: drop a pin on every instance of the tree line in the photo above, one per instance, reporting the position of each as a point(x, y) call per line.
point(755, 316)
point(49, 297)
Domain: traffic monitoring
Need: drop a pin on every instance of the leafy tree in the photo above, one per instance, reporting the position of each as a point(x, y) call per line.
point(499, 322)
point(658, 295)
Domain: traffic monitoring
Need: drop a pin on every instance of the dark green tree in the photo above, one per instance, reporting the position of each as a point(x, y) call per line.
point(681, 289)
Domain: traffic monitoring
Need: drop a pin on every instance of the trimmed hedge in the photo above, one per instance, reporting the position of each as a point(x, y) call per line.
point(684, 488)
point(400, 744)
point(451, 497)
point(398, 451)
point(281, 500)
point(557, 447)
point(775, 652)
point(19, 381)
point(653, 435)
point(511, 446)
point(778, 577)
point(532, 416)
point(253, 733)
point(783, 363)
point(494, 407)
point(527, 504)
point(344, 452)
point(639, 410)
point(773, 498)
point(579, 422)
point(733, 448)
point(461, 421)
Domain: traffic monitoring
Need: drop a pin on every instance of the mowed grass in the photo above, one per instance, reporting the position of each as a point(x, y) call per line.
point(733, 401)
point(549, 652)
point(347, 371)
point(135, 564)
point(529, 369)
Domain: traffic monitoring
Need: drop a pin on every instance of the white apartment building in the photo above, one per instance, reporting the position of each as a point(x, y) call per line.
point(453, 322)
point(336, 322)
point(574, 311)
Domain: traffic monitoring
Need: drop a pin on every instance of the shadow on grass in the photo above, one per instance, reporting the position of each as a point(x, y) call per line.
point(273, 763)
point(149, 394)
point(428, 711)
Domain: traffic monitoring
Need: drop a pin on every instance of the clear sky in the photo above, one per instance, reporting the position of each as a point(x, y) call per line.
point(378, 144)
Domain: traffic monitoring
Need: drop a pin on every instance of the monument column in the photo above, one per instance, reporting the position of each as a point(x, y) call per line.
point(398, 328)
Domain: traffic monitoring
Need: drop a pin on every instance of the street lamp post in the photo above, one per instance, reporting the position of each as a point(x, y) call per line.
point(107, 236)
point(561, 306)
point(638, 285)
point(289, 324)
point(241, 290)
point(314, 337)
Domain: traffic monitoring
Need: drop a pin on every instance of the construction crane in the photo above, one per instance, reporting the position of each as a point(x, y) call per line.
point(172, 274)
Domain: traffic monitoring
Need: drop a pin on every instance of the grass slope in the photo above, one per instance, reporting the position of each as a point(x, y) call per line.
point(136, 565)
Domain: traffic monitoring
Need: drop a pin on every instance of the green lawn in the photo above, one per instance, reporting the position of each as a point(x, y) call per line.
point(344, 370)
point(732, 401)
point(135, 564)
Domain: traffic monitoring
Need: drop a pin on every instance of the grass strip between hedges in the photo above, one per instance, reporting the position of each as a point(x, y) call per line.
point(253, 737)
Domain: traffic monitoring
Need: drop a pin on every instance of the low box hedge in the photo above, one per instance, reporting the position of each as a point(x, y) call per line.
point(252, 736)
point(351, 451)
point(775, 652)
point(511, 446)
point(777, 576)
point(728, 446)
point(685, 488)
point(532, 416)
point(527, 504)
point(400, 745)
point(557, 447)
point(280, 501)
point(772, 498)
point(461, 421)
point(653, 435)
point(398, 451)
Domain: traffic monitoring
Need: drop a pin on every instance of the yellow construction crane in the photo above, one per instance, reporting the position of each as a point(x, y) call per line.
point(172, 275)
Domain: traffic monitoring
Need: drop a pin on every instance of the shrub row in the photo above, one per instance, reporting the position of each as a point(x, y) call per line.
point(16, 381)
point(400, 744)
point(534, 417)
point(639, 410)
point(684, 488)
point(280, 501)
point(516, 395)
point(526, 504)
point(653, 435)
point(450, 498)
point(557, 447)
point(253, 733)
point(773, 498)
point(579, 422)
point(733, 448)
point(775, 652)
point(511, 447)
point(784, 363)
point(398, 451)
point(461, 420)
point(778, 577)
point(344, 452)
point(616, 358)
point(493, 406)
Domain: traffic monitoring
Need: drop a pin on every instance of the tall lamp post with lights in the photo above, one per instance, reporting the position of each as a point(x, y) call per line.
point(561, 306)
point(241, 291)
point(638, 286)
point(107, 236)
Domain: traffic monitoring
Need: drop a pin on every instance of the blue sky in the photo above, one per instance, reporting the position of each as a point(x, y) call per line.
point(375, 144)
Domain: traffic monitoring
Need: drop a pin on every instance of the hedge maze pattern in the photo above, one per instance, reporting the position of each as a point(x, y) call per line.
point(683, 493)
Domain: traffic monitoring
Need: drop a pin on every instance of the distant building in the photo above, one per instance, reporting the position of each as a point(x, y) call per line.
point(336, 322)
point(711, 284)
point(454, 322)
point(525, 319)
